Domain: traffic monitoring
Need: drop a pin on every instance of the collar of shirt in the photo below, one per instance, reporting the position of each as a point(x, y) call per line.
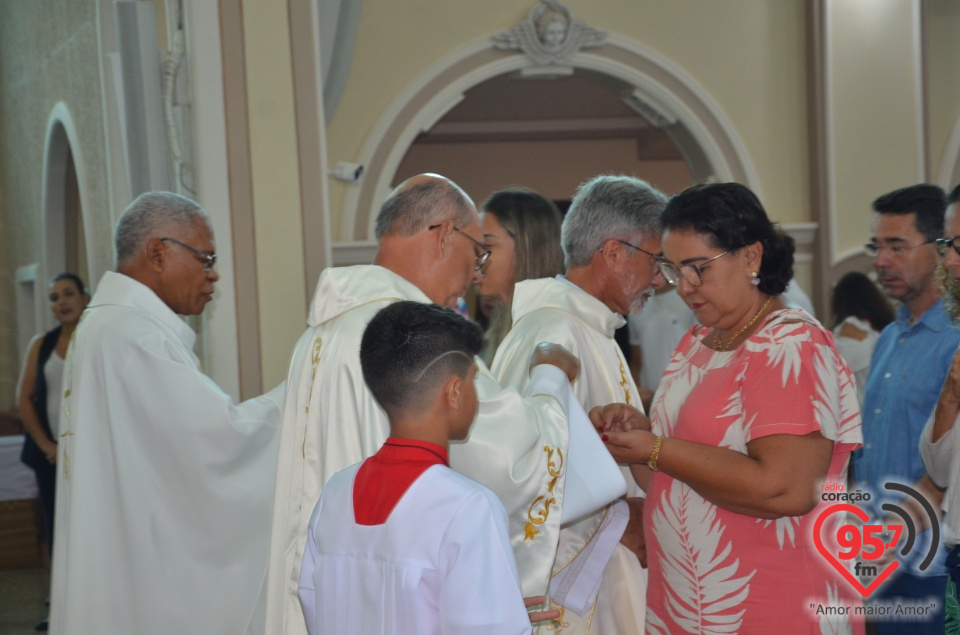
point(121, 290)
point(935, 318)
point(386, 476)
point(562, 294)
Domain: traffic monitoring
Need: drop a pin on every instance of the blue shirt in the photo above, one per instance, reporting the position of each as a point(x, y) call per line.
point(910, 363)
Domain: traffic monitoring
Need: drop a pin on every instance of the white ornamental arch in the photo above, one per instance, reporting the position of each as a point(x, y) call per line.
point(667, 95)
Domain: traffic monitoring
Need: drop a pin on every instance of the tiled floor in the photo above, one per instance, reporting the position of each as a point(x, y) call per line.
point(23, 600)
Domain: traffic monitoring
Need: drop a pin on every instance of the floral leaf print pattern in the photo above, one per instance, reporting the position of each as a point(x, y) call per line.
point(786, 528)
point(835, 624)
point(676, 382)
point(849, 421)
point(703, 596)
point(655, 625)
point(735, 438)
point(791, 338)
point(712, 569)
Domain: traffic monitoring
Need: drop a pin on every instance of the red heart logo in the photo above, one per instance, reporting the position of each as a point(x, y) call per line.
point(832, 559)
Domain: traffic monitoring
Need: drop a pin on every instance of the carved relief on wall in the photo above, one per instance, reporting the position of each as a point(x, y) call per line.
point(550, 35)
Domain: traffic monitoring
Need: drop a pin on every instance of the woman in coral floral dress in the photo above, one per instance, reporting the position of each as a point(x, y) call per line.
point(755, 412)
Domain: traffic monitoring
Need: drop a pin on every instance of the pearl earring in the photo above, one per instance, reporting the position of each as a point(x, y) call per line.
point(755, 280)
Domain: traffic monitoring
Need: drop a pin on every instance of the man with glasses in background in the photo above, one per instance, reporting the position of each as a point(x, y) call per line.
point(910, 362)
point(611, 245)
point(164, 484)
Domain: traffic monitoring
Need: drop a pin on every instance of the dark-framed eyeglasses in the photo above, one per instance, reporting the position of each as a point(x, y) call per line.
point(481, 257)
point(692, 272)
point(656, 257)
point(897, 250)
point(209, 260)
point(944, 245)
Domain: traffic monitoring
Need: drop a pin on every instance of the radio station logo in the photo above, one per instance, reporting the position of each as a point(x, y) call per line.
point(858, 549)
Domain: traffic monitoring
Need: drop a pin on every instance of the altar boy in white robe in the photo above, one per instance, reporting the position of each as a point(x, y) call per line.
point(430, 251)
point(164, 484)
point(611, 242)
point(400, 543)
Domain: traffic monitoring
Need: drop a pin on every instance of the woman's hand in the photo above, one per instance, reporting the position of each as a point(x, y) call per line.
point(631, 447)
point(618, 417)
point(49, 449)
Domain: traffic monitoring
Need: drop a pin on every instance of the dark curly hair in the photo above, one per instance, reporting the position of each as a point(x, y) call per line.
point(730, 216)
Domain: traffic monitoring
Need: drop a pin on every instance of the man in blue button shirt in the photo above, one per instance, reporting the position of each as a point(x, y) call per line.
point(910, 363)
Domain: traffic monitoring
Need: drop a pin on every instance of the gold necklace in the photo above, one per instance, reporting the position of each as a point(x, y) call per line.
point(720, 345)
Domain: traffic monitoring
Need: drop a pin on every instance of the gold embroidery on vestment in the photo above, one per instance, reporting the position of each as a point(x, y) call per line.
point(558, 624)
point(542, 504)
point(625, 384)
point(315, 361)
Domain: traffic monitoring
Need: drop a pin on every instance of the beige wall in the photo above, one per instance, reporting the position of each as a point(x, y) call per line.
point(48, 54)
point(275, 184)
point(747, 55)
point(482, 168)
point(943, 60)
point(875, 110)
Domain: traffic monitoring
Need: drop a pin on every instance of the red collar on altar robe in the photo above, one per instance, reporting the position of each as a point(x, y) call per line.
point(386, 476)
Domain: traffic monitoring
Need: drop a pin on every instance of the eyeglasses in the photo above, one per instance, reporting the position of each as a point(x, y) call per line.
point(484, 254)
point(944, 245)
point(656, 257)
point(692, 273)
point(209, 260)
point(896, 250)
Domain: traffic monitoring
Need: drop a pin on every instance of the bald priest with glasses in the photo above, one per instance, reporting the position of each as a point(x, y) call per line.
point(164, 484)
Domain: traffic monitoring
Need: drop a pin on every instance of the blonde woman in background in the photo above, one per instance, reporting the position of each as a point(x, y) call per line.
point(521, 229)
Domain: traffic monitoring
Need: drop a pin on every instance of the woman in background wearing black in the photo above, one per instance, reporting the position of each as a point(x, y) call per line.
point(40, 391)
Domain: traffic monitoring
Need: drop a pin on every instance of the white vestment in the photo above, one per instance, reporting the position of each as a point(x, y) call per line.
point(666, 318)
point(164, 485)
point(440, 564)
point(331, 420)
point(555, 310)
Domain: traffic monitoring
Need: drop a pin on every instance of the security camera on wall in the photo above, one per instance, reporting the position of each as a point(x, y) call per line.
point(348, 172)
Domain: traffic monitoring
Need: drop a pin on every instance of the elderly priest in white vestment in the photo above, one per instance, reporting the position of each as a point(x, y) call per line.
point(430, 250)
point(164, 484)
point(611, 243)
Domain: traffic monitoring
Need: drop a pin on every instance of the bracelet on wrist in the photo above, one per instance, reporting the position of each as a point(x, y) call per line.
point(655, 453)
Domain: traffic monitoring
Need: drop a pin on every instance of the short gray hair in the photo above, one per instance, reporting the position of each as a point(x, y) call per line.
point(608, 207)
point(147, 215)
point(410, 209)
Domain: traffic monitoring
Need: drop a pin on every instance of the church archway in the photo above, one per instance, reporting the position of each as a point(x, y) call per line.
point(661, 89)
point(63, 201)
